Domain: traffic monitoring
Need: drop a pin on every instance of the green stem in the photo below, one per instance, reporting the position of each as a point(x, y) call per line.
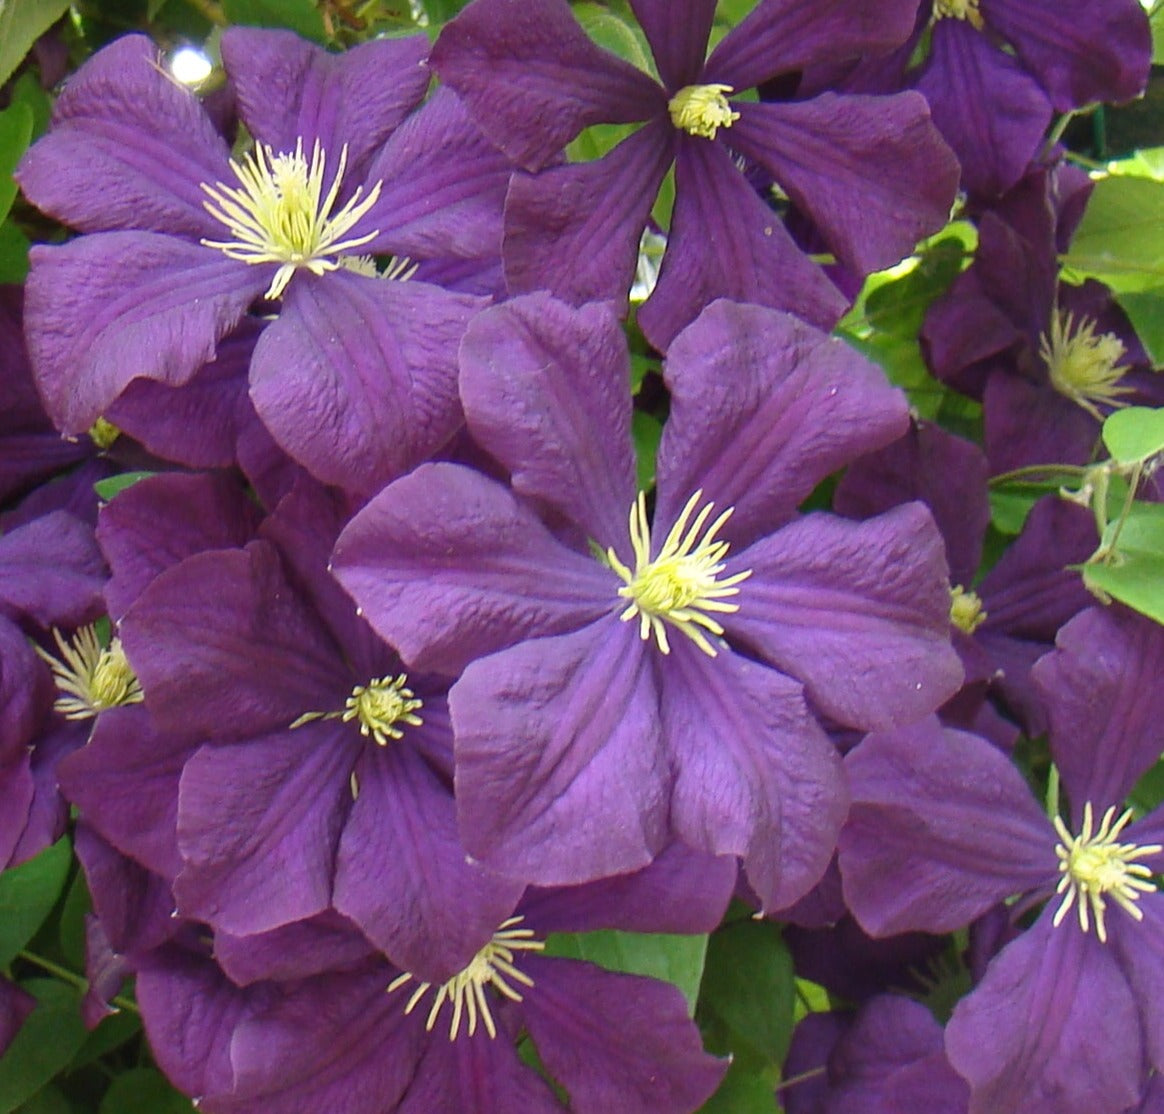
point(1056, 133)
point(1047, 471)
point(211, 10)
point(1053, 792)
point(784, 1084)
point(72, 978)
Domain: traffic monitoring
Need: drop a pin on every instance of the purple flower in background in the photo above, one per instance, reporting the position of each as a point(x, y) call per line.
point(951, 823)
point(653, 685)
point(182, 241)
point(369, 1039)
point(870, 172)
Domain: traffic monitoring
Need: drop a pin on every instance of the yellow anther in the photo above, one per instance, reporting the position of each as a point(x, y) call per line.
point(91, 677)
point(380, 707)
point(959, 9)
point(966, 609)
point(702, 109)
point(1084, 367)
point(103, 434)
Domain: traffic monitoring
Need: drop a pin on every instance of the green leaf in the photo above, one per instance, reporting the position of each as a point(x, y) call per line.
point(748, 994)
point(46, 1042)
point(1158, 36)
point(27, 894)
point(1136, 574)
point(674, 959)
point(113, 1031)
point(22, 22)
point(300, 16)
point(14, 247)
point(646, 431)
point(743, 1091)
point(1149, 791)
point(72, 926)
point(15, 133)
point(50, 1100)
point(1145, 310)
point(1134, 434)
point(620, 37)
point(26, 90)
point(1121, 237)
point(144, 1089)
point(113, 486)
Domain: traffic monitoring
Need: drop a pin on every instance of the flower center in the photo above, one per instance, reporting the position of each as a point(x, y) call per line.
point(379, 707)
point(91, 677)
point(1084, 367)
point(1094, 866)
point(681, 584)
point(103, 434)
point(282, 215)
point(491, 966)
point(959, 9)
point(702, 109)
point(966, 609)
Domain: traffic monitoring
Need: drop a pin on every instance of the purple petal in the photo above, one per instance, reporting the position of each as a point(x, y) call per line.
point(129, 148)
point(574, 230)
point(290, 90)
point(546, 391)
point(781, 36)
point(258, 827)
point(125, 782)
point(872, 172)
point(1079, 50)
point(1029, 424)
point(443, 187)
point(726, 243)
point(15, 1006)
point(763, 407)
point(326, 943)
point(51, 571)
point(402, 875)
point(1025, 1039)
point(942, 826)
point(1105, 703)
point(105, 309)
point(163, 519)
point(16, 791)
point(357, 380)
point(561, 772)
point(755, 774)
point(677, 31)
point(858, 612)
point(225, 648)
point(617, 1042)
point(533, 79)
point(988, 108)
point(448, 566)
point(1139, 948)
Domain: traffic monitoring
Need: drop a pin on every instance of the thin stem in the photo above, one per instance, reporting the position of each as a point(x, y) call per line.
point(1049, 471)
point(803, 1077)
point(1125, 510)
point(72, 978)
point(1053, 792)
point(1057, 131)
point(211, 10)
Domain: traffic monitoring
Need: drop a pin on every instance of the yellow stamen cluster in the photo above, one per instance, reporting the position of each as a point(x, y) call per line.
point(491, 966)
point(1084, 367)
point(959, 9)
point(379, 707)
point(702, 110)
point(1094, 867)
point(91, 677)
point(966, 611)
point(681, 584)
point(103, 434)
point(399, 269)
point(282, 215)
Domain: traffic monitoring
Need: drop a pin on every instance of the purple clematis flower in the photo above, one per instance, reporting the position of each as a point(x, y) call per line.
point(952, 823)
point(182, 240)
point(870, 172)
point(654, 686)
point(369, 1039)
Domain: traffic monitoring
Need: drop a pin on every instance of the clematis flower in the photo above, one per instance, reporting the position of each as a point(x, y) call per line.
point(182, 240)
point(1025, 1037)
point(367, 1039)
point(870, 172)
point(654, 685)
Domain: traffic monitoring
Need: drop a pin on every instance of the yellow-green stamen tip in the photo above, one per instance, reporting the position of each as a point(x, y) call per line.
point(281, 213)
point(702, 110)
point(966, 609)
point(682, 582)
point(103, 434)
point(91, 677)
point(491, 966)
point(1082, 366)
point(1095, 866)
point(966, 10)
point(382, 708)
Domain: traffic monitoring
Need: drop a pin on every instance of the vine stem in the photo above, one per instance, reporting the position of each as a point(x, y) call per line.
point(211, 9)
point(803, 1077)
point(73, 979)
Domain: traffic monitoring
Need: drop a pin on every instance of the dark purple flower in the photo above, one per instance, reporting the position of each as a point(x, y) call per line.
point(951, 824)
point(651, 686)
point(870, 172)
point(339, 167)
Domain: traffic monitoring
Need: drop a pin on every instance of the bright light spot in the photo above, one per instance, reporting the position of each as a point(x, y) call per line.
point(190, 66)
